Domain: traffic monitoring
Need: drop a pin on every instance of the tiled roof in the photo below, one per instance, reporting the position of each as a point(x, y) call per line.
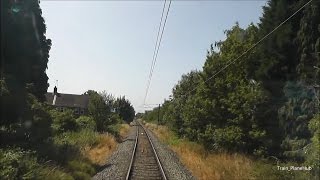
point(69, 100)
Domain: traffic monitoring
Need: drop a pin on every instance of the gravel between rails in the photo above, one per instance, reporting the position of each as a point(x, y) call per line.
point(171, 164)
point(117, 166)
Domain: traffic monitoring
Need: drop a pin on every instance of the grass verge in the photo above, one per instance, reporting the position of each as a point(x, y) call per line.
point(204, 165)
point(69, 155)
point(99, 153)
point(106, 144)
point(225, 166)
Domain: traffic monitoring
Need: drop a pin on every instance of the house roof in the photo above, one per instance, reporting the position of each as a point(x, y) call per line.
point(69, 100)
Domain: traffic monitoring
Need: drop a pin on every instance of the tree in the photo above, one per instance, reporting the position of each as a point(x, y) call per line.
point(24, 57)
point(26, 48)
point(99, 110)
point(229, 103)
point(300, 94)
point(294, 117)
point(109, 99)
point(308, 38)
point(124, 108)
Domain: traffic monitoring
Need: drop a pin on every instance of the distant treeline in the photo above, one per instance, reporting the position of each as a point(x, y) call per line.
point(267, 102)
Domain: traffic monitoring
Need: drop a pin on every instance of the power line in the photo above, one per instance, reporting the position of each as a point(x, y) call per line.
point(156, 44)
point(253, 46)
point(157, 47)
point(165, 21)
point(154, 51)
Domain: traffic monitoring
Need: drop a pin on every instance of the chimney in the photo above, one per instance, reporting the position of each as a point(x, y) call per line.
point(55, 90)
point(55, 94)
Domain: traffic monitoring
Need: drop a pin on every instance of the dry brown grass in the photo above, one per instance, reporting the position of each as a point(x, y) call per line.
point(99, 153)
point(214, 166)
point(203, 165)
point(124, 129)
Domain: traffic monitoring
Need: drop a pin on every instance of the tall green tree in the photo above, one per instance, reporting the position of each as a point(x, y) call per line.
point(277, 60)
point(308, 39)
point(124, 109)
point(24, 58)
point(302, 93)
point(234, 95)
point(99, 110)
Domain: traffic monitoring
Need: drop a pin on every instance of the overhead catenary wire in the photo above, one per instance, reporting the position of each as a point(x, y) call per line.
point(165, 21)
point(157, 47)
point(156, 44)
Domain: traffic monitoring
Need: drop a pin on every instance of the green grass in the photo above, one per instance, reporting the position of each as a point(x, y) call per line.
point(67, 162)
point(77, 139)
point(17, 163)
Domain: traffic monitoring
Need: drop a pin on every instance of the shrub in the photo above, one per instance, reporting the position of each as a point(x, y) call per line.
point(313, 154)
point(52, 173)
point(86, 122)
point(40, 127)
point(77, 139)
point(63, 121)
point(17, 163)
point(114, 130)
point(81, 175)
point(81, 166)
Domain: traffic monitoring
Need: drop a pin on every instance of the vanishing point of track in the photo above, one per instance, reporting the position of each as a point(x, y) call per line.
point(144, 163)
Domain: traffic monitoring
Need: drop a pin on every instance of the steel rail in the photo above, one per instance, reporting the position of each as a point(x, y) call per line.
point(155, 154)
point(153, 150)
point(133, 153)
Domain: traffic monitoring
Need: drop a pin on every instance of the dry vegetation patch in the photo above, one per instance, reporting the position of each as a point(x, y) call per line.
point(99, 152)
point(124, 129)
point(204, 165)
point(105, 146)
point(214, 166)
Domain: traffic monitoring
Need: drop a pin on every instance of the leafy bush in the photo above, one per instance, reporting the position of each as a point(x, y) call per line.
point(81, 166)
point(68, 145)
point(17, 163)
point(52, 173)
point(86, 122)
point(98, 109)
point(40, 126)
point(313, 157)
point(78, 139)
point(63, 121)
point(114, 129)
point(81, 175)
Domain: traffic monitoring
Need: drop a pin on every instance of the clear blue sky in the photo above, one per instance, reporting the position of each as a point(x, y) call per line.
point(108, 45)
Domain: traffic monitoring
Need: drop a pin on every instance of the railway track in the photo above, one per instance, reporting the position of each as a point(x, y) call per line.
point(145, 163)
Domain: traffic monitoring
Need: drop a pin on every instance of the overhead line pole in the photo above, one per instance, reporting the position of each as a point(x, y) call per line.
point(159, 115)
